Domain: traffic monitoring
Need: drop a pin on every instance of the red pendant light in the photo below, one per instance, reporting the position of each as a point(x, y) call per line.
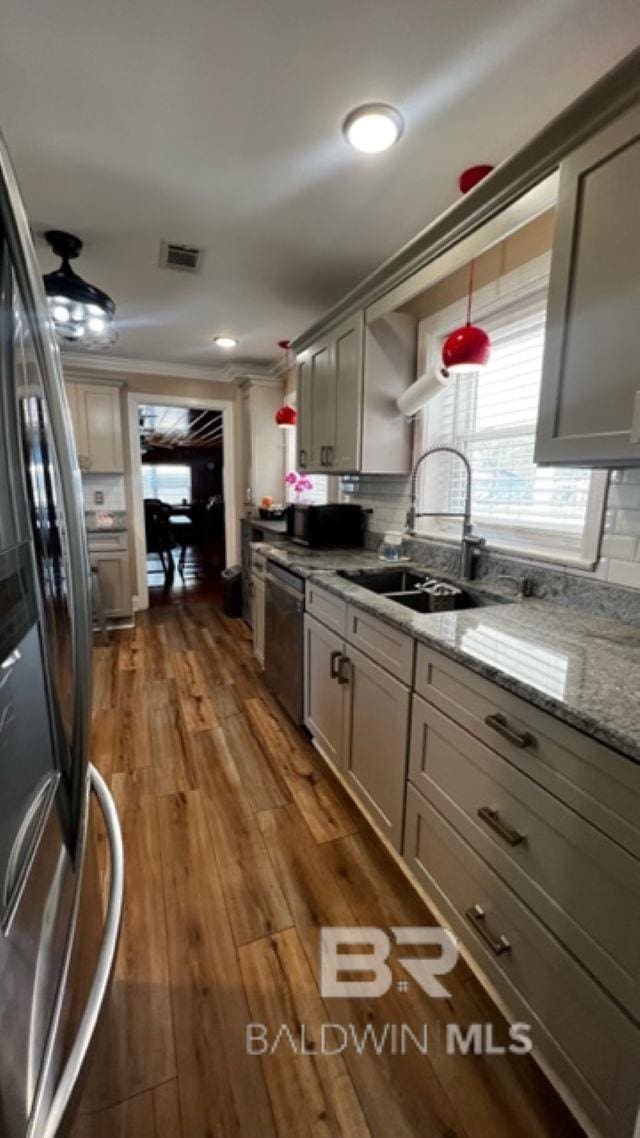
point(286, 415)
point(467, 349)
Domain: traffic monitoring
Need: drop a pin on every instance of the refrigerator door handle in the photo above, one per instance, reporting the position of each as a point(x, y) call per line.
point(104, 966)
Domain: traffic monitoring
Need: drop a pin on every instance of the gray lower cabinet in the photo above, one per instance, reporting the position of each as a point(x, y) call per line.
point(582, 1034)
point(258, 606)
point(376, 726)
point(590, 396)
point(114, 576)
point(324, 695)
point(357, 713)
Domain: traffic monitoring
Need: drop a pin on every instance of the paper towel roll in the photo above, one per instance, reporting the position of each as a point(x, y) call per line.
point(423, 390)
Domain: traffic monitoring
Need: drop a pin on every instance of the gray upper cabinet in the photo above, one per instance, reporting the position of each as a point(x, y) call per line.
point(348, 383)
point(590, 401)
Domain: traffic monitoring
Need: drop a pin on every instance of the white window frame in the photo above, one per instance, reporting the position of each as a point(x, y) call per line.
point(510, 288)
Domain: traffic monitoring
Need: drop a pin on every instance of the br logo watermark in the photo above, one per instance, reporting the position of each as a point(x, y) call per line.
point(367, 975)
point(425, 970)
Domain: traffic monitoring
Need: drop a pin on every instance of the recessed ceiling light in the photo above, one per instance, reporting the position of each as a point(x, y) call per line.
point(225, 341)
point(373, 127)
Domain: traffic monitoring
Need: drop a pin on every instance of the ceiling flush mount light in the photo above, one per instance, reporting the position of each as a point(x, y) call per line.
point(286, 416)
point(467, 349)
point(82, 314)
point(372, 128)
point(227, 342)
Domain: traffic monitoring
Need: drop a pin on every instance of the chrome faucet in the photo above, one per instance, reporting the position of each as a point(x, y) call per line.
point(470, 545)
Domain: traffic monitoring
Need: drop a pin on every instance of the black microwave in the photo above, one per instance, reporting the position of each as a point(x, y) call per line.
point(335, 526)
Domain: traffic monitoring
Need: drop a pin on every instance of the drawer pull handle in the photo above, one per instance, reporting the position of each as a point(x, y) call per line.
point(494, 821)
point(302, 459)
point(498, 945)
point(333, 661)
point(344, 670)
point(519, 739)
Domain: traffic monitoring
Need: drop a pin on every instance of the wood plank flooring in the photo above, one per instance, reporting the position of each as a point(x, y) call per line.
point(240, 845)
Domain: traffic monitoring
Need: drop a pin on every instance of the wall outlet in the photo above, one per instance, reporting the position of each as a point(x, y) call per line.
point(98, 497)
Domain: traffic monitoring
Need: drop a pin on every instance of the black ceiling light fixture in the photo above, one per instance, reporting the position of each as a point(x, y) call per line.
point(82, 314)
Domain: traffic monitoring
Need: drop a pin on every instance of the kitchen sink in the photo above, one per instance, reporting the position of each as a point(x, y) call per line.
point(465, 599)
point(384, 580)
point(403, 587)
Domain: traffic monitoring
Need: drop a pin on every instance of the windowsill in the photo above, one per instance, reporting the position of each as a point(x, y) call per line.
point(535, 553)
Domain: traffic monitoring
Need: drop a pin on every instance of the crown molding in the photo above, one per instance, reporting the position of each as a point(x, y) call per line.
point(83, 362)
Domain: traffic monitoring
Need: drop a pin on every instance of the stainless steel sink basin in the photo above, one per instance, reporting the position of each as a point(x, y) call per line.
point(384, 580)
point(403, 587)
point(465, 599)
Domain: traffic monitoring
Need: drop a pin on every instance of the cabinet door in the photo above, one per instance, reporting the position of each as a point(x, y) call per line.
point(79, 425)
point(324, 695)
point(305, 412)
point(346, 396)
point(100, 420)
point(322, 404)
point(591, 380)
point(258, 619)
point(376, 737)
point(115, 582)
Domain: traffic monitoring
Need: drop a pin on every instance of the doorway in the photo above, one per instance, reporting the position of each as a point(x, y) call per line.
point(184, 511)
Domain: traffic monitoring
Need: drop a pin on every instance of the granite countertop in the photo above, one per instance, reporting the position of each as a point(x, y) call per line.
point(267, 526)
point(583, 669)
point(305, 562)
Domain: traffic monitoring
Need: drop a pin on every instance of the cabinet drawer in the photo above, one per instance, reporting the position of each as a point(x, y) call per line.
point(107, 541)
point(584, 886)
point(598, 783)
point(331, 610)
point(382, 642)
point(585, 1038)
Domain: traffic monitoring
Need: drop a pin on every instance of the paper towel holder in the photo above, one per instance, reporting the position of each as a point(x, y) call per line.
point(428, 385)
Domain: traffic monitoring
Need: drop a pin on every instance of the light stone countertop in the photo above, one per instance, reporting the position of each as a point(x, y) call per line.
point(581, 668)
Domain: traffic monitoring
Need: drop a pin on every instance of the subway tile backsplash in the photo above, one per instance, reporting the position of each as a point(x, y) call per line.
point(110, 485)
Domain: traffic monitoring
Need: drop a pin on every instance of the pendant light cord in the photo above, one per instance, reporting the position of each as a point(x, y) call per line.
point(472, 268)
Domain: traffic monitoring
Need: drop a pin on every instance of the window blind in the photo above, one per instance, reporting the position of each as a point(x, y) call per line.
point(491, 416)
point(171, 483)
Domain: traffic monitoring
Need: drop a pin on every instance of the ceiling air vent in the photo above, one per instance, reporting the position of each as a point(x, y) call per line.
point(185, 258)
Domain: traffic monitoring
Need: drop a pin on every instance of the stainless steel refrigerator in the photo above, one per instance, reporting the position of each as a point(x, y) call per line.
point(59, 919)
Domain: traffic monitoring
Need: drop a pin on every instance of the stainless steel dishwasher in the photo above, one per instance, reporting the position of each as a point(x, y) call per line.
point(284, 613)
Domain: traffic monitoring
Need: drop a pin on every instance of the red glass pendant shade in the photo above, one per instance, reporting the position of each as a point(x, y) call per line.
point(466, 349)
point(286, 416)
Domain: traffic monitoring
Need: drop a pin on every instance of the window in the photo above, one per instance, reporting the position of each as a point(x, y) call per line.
point(491, 416)
point(320, 492)
point(167, 481)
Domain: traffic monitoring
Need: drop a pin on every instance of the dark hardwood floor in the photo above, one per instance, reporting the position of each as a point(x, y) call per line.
point(239, 846)
point(200, 580)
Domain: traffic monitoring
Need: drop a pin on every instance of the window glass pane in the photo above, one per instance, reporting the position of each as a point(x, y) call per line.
point(167, 481)
point(491, 416)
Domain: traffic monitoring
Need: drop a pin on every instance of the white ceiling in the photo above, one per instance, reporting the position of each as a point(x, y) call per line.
point(217, 123)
